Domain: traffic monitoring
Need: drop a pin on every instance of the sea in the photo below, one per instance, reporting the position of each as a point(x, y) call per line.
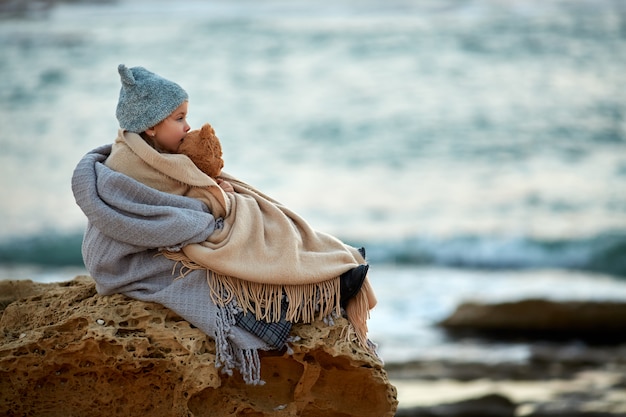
point(476, 148)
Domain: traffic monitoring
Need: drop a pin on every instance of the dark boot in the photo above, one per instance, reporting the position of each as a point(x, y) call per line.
point(350, 283)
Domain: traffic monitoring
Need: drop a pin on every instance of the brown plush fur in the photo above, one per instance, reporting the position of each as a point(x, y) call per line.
point(204, 149)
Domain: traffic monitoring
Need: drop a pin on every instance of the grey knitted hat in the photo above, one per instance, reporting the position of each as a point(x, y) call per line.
point(145, 98)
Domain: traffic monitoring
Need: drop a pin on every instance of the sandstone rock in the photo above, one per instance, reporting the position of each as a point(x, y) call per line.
point(14, 290)
point(65, 350)
point(590, 320)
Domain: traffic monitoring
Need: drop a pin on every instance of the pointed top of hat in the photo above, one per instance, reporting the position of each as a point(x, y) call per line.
point(126, 74)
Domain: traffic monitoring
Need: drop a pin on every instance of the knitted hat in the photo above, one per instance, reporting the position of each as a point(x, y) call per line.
point(145, 98)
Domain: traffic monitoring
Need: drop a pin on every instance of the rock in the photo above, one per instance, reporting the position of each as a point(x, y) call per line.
point(65, 350)
point(577, 355)
point(14, 290)
point(590, 391)
point(594, 321)
point(495, 405)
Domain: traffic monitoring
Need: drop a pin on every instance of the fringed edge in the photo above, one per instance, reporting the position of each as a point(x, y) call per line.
point(305, 302)
point(250, 366)
point(358, 312)
point(224, 359)
point(229, 357)
point(180, 261)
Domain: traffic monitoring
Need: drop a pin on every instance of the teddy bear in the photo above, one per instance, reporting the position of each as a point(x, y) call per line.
point(204, 149)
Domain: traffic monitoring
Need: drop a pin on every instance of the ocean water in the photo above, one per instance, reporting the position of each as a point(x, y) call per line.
point(477, 148)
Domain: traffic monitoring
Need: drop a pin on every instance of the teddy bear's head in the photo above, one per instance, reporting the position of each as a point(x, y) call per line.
point(204, 149)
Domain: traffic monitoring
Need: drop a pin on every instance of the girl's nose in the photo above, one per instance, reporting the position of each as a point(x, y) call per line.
point(187, 127)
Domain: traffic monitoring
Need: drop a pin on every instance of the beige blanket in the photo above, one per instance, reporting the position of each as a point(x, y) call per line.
point(264, 249)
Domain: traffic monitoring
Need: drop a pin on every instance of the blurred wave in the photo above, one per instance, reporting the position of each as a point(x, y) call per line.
point(603, 253)
point(474, 133)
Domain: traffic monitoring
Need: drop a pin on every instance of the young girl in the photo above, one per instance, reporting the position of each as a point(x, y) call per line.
point(258, 252)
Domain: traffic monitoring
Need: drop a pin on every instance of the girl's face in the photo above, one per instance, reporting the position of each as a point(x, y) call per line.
point(169, 133)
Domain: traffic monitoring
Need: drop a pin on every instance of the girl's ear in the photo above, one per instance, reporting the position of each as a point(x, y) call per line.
point(151, 132)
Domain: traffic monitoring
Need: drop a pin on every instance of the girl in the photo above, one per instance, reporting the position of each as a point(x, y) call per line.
point(236, 278)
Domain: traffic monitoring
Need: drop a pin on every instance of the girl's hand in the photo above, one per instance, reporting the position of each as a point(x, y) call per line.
point(225, 185)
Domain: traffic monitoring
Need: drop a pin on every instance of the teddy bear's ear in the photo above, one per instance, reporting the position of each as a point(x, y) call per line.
point(206, 130)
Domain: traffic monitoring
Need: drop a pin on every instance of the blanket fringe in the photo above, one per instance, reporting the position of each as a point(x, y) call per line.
point(305, 302)
point(180, 261)
point(229, 357)
point(358, 312)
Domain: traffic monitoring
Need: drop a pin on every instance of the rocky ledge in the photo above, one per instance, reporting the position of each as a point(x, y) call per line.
point(64, 350)
point(576, 364)
point(597, 322)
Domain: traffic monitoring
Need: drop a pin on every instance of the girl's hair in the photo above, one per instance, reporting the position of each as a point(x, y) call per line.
point(148, 139)
point(153, 143)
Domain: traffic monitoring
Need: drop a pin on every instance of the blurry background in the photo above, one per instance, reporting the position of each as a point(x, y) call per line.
point(477, 148)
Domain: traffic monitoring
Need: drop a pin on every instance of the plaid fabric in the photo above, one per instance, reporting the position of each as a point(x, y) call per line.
point(274, 334)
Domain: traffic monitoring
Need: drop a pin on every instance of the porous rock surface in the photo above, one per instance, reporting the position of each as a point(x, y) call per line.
point(64, 350)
